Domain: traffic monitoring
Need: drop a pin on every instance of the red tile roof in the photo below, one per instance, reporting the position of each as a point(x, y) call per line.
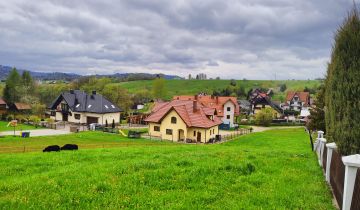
point(303, 97)
point(185, 109)
point(215, 102)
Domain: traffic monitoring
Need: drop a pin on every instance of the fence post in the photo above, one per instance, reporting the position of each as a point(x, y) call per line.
point(322, 147)
point(330, 148)
point(352, 163)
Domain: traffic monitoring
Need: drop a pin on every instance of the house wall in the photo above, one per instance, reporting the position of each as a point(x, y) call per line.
point(231, 113)
point(180, 125)
point(83, 117)
point(166, 124)
point(258, 108)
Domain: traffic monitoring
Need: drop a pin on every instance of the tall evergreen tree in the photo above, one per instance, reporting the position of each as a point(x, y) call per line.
point(27, 82)
point(12, 87)
point(342, 87)
point(317, 114)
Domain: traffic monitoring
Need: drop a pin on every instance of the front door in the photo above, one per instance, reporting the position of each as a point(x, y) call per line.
point(198, 137)
point(65, 117)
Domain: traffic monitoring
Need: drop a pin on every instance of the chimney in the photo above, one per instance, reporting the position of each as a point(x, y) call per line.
point(196, 97)
point(217, 99)
point(194, 105)
point(94, 92)
point(212, 96)
point(71, 91)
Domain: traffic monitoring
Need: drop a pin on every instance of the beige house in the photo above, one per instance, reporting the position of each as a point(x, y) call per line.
point(79, 107)
point(181, 120)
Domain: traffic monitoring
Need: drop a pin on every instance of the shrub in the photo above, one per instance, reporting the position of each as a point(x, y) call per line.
point(264, 117)
point(342, 87)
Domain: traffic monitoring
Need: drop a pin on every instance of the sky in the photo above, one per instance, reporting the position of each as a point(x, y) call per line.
point(252, 39)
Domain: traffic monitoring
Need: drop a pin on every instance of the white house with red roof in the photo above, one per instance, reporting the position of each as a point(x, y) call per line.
point(297, 101)
point(183, 120)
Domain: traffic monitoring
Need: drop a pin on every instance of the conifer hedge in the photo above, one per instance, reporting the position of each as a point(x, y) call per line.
point(342, 95)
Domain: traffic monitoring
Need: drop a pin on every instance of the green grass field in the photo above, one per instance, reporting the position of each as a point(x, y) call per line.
point(269, 170)
point(4, 127)
point(177, 87)
point(85, 140)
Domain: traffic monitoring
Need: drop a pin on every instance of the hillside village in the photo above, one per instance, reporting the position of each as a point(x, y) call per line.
point(180, 105)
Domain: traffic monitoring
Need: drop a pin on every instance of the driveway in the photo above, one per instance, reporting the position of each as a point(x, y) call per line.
point(37, 132)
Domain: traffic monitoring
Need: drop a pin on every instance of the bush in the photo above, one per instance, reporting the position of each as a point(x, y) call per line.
point(342, 88)
point(264, 117)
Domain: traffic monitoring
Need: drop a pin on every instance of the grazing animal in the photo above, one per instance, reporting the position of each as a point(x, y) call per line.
point(52, 148)
point(70, 147)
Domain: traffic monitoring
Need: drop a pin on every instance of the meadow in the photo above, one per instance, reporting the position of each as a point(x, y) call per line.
point(274, 169)
point(4, 127)
point(176, 87)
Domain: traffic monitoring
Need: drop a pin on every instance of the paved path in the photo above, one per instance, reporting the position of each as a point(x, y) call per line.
point(37, 132)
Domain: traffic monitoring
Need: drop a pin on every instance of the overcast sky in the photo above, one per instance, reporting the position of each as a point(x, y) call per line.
point(253, 39)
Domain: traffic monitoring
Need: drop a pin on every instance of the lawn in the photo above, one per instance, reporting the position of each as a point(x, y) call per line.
point(269, 170)
point(4, 127)
point(85, 140)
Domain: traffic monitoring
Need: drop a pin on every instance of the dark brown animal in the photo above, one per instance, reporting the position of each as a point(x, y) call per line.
point(52, 148)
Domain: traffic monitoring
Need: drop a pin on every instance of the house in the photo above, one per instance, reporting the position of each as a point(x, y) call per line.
point(260, 100)
point(297, 101)
point(20, 108)
point(3, 106)
point(76, 106)
point(245, 106)
point(180, 120)
point(227, 108)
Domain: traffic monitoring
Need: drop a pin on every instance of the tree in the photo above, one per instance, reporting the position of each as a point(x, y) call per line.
point(264, 116)
point(317, 113)
point(27, 83)
point(342, 87)
point(240, 92)
point(283, 87)
point(118, 95)
point(159, 89)
point(12, 91)
point(233, 82)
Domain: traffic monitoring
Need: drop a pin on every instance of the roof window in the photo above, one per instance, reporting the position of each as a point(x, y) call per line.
point(106, 106)
point(89, 106)
point(77, 105)
point(113, 106)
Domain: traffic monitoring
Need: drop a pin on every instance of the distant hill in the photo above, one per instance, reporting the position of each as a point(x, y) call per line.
point(5, 70)
point(191, 87)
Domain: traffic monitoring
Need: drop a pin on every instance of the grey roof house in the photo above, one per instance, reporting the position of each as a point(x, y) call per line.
point(76, 106)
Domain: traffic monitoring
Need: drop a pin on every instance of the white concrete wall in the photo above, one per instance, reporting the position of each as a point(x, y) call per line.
point(83, 117)
point(231, 113)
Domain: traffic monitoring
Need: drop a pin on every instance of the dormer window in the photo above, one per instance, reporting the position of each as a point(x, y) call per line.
point(173, 120)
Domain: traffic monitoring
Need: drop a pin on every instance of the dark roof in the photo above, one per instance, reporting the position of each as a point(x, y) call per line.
point(79, 101)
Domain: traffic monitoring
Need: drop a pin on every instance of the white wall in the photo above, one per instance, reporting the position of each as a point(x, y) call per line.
point(231, 113)
point(83, 117)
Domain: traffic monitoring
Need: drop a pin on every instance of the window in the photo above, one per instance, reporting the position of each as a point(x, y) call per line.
point(227, 116)
point(173, 120)
point(194, 133)
point(77, 116)
point(213, 131)
point(64, 107)
point(229, 109)
point(210, 132)
point(156, 128)
point(169, 131)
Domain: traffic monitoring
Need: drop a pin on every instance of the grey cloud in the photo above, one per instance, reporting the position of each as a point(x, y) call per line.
point(238, 38)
